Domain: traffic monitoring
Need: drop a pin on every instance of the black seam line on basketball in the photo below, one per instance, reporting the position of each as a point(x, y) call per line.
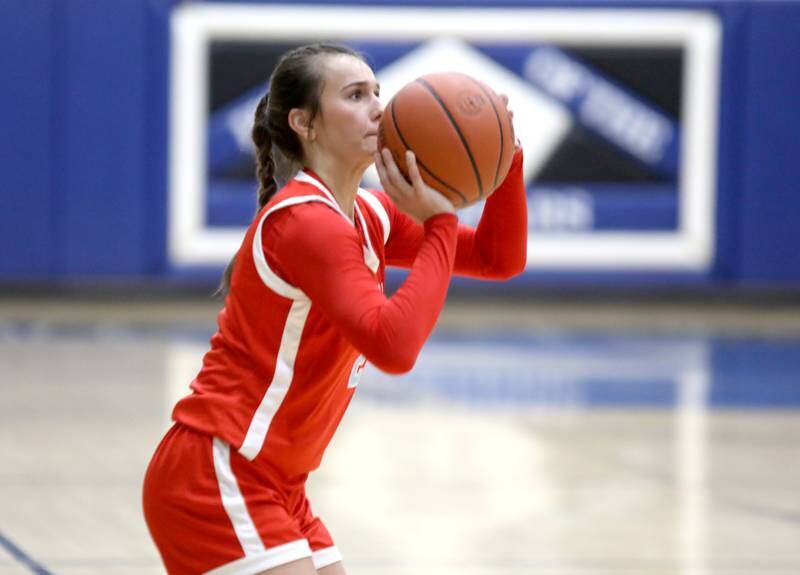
point(448, 186)
point(458, 131)
point(420, 164)
point(500, 127)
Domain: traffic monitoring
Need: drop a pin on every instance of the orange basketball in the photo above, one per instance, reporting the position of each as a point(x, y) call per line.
point(459, 130)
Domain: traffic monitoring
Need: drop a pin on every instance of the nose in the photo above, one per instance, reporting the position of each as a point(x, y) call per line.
point(377, 109)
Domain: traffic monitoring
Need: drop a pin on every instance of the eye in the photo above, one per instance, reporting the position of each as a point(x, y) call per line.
point(357, 95)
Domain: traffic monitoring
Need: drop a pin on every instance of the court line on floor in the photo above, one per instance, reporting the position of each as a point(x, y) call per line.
point(22, 557)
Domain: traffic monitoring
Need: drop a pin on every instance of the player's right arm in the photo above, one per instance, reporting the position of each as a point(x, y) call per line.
point(318, 251)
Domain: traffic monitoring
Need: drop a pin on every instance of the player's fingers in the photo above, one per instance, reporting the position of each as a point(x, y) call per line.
point(413, 172)
point(383, 170)
point(397, 193)
point(504, 98)
point(380, 166)
point(393, 172)
point(383, 175)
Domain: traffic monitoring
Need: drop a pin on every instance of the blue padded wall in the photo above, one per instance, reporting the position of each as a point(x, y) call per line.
point(26, 138)
point(770, 204)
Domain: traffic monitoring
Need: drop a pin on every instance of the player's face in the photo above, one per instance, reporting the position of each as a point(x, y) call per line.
point(350, 110)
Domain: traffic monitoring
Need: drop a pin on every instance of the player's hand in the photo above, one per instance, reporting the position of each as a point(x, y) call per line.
point(504, 98)
point(517, 145)
point(415, 198)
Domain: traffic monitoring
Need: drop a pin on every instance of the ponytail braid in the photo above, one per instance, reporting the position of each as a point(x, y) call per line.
point(265, 166)
point(265, 171)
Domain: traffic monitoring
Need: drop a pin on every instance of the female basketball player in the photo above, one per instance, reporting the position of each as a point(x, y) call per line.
point(305, 310)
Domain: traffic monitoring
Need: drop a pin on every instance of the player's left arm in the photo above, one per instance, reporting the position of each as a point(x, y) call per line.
point(495, 249)
point(498, 247)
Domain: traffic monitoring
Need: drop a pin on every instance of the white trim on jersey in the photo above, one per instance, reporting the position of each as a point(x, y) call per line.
point(325, 557)
point(370, 258)
point(309, 179)
point(379, 210)
point(281, 380)
point(272, 280)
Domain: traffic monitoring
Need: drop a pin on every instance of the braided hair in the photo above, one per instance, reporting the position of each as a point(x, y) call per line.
point(265, 162)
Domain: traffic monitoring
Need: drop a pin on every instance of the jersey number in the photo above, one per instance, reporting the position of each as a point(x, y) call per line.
point(358, 369)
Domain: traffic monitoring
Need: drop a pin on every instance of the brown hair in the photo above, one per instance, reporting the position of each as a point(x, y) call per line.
point(296, 82)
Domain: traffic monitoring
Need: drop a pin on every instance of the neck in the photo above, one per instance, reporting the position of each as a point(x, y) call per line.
point(341, 181)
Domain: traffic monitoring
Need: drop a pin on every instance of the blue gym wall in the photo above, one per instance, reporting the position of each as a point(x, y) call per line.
point(83, 112)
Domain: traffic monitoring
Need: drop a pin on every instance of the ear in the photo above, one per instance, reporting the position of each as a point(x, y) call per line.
point(298, 121)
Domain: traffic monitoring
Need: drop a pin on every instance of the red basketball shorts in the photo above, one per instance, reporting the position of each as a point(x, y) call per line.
point(210, 510)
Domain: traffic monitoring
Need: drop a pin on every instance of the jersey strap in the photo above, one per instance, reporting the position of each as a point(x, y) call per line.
point(379, 210)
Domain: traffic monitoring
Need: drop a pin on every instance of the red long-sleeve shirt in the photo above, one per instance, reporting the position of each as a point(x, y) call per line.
point(306, 310)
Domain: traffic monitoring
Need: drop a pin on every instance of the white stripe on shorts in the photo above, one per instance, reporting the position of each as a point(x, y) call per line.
point(257, 557)
point(280, 555)
point(325, 557)
point(233, 501)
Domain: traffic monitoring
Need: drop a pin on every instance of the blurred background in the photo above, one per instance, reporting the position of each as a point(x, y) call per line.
point(629, 404)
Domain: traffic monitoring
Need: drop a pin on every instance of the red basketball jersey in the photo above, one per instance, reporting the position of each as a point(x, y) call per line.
point(280, 372)
point(306, 310)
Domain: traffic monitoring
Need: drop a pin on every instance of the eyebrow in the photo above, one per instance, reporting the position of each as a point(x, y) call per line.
point(360, 83)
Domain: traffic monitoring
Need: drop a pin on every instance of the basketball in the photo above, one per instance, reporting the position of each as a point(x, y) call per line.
point(459, 130)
